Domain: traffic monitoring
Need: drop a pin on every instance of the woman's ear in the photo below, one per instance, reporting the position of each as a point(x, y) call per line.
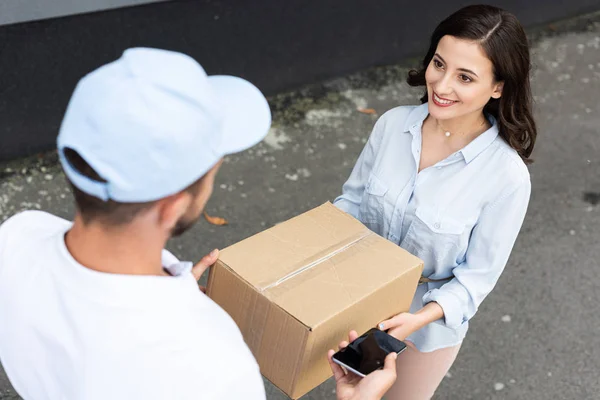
point(497, 93)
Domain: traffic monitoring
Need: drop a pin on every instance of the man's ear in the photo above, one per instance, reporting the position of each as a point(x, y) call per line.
point(172, 208)
point(498, 87)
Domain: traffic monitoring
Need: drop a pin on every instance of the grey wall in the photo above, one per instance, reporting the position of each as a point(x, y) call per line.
point(276, 44)
point(13, 11)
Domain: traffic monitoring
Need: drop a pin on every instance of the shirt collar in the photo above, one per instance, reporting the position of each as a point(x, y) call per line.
point(481, 142)
point(415, 119)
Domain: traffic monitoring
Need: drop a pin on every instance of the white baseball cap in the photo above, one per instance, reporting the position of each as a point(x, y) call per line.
point(152, 123)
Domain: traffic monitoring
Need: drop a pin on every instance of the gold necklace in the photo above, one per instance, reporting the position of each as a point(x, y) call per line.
point(448, 133)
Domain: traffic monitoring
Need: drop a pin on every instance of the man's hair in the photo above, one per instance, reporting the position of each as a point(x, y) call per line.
point(109, 212)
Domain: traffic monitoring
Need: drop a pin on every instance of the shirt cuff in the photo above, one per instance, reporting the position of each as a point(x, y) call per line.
point(451, 305)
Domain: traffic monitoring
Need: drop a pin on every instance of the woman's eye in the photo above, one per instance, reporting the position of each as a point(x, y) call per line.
point(438, 64)
point(465, 78)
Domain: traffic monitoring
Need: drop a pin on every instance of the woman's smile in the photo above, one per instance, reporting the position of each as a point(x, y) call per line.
point(442, 102)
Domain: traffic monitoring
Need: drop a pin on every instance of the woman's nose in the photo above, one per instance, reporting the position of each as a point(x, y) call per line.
point(443, 86)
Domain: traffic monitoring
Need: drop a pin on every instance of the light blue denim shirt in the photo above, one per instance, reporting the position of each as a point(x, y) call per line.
point(460, 216)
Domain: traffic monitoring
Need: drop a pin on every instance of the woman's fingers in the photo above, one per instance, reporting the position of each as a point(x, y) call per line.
point(391, 323)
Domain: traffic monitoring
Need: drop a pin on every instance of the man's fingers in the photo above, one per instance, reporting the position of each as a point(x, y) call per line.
point(390, 363)
point(343, 345)
point(205, 263)
point(352, 336)
point(386, 377)
point(338, 372)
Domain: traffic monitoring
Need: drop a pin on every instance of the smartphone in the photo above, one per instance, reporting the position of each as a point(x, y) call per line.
point(367, 353)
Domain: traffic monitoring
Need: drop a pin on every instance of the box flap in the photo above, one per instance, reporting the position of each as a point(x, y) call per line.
point(318, 264)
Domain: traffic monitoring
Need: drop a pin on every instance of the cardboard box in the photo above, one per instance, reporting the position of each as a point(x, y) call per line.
point(297, 289)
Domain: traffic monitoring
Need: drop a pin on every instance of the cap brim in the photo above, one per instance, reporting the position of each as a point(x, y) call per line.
point(246, 113)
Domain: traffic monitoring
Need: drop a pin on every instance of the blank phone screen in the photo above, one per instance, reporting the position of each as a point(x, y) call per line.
point(367, 353)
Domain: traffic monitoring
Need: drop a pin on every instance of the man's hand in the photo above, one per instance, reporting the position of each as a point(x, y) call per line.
point(403, 325)
point(204, 264)
point(372, 387)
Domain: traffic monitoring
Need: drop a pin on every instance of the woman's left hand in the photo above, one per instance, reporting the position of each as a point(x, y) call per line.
point(403, 325)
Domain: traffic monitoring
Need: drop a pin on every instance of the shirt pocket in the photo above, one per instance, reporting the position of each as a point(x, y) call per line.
point(432, 236)
point(372, 204)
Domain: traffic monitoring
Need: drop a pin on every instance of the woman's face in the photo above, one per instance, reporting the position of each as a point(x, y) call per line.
point(460, 79)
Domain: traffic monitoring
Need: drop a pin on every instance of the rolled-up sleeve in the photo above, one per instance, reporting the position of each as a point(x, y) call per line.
point(352, 190)
point(489, 248)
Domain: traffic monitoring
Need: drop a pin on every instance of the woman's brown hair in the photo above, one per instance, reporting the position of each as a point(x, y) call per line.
point(504, 41)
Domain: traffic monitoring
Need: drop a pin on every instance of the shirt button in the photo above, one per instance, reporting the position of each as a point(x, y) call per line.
point(436, 225)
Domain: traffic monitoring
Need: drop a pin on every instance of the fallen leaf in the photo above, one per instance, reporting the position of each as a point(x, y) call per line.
point(367, 110)
point(215, 220)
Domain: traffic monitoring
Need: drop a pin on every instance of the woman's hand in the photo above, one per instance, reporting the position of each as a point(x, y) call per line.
point(403, 325)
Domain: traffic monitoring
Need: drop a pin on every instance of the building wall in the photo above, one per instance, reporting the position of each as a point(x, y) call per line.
point(14, 11)
point(276, 44)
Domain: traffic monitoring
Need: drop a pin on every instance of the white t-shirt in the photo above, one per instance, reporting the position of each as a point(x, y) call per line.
point(68, 332)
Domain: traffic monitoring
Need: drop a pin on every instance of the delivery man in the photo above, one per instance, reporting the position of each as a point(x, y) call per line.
point(96, 308)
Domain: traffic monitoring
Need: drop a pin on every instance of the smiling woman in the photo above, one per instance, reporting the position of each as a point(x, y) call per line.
point(448, 182)
point(485, 62)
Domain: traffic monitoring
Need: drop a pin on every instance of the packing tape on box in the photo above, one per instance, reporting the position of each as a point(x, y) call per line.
point(321, 257)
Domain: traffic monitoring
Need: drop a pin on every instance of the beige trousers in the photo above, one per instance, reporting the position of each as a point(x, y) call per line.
point(420, 374)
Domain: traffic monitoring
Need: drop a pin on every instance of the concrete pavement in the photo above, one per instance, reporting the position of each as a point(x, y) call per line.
point(535, 337)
